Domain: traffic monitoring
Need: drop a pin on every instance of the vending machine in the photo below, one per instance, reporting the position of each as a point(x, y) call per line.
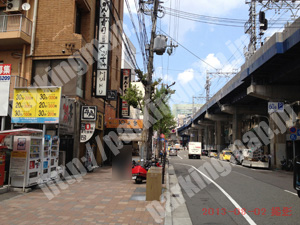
point(26, 161)
point(46, 158)
point(54, 156)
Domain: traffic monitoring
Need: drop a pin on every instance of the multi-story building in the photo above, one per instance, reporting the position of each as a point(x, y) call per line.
point(54, 43)
point(184, 109)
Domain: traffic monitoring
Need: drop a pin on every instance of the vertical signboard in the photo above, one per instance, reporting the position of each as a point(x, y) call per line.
point(66, 117)
point(5, 72)
point(125, 81)
point(103, 49)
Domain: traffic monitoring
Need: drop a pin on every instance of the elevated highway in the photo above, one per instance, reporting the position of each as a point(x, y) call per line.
point(236, 112)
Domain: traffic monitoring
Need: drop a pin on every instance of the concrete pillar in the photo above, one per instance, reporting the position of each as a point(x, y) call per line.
point(219, 139)
point(236, 127)
point(206, 138)
point(277, 143)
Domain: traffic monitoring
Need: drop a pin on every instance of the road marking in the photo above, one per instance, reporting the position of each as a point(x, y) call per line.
point(246, 216)
point(291, 192)
point(179, 156)
point(243, 175)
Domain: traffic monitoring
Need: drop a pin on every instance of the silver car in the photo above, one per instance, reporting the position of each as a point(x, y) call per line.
point(173, 151)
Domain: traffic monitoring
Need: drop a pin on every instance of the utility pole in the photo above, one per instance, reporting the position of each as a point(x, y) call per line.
point(148, 128)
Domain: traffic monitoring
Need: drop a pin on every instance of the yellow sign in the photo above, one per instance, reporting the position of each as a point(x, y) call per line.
point(99, 122)
point(125, 124)
point(18, 154)
point(36, 105)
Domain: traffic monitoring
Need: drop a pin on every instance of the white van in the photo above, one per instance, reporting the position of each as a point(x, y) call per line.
point(195, 150)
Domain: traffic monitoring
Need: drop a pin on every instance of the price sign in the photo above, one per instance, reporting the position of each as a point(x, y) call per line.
point(36, 105)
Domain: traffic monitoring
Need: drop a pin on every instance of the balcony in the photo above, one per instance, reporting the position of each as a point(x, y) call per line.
point(15, 30)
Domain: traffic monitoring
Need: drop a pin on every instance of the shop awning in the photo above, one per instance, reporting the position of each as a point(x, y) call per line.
point(130, 137)
point(22, 131)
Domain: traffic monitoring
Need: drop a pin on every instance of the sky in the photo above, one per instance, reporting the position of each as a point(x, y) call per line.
point(201, 47)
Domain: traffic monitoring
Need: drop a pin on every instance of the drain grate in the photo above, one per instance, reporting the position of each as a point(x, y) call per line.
point(175, 195)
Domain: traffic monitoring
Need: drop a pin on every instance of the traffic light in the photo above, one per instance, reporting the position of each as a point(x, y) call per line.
point(263, 21)
point(262, 17)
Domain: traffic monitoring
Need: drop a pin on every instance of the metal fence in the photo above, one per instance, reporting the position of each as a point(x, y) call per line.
point(17, 22)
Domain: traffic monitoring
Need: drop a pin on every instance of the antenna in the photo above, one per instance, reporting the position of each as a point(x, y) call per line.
point(26, 6)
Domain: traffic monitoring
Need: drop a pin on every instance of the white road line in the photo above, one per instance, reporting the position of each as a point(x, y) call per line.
point(291, 192)
point(246, 216)
point(242, 174)
point(179, 156)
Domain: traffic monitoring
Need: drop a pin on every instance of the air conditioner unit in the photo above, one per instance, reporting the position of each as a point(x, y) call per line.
point(13, 5)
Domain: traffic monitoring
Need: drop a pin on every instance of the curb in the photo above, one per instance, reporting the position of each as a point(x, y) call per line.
point(176, 209)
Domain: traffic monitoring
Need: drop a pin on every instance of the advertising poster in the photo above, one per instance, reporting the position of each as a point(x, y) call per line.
point(5, 72)
point(36, 105)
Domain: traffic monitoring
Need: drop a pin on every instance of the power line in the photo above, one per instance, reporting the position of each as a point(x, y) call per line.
point(128, 49)
point(189, 51)
point(136, 33)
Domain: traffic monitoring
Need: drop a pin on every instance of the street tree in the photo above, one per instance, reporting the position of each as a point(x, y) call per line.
point(156, 107)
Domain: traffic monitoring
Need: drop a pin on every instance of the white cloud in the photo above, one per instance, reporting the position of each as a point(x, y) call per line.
point(186, 76)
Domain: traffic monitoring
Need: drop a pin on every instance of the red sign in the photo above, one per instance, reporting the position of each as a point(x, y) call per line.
point(31, 164)
point(125, 82)
point(87, 126)
point(5, 69)
point(293, 130)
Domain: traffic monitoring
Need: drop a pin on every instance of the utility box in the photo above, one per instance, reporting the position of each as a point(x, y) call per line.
point(160, 44)
point(154, 184)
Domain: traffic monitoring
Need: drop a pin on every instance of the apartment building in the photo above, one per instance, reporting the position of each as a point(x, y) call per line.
point(54, 43)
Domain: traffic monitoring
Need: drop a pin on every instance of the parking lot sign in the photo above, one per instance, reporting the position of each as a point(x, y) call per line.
point(275, 107)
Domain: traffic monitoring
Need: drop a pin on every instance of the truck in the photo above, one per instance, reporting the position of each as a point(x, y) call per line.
point(195, 150)
point(254, 158)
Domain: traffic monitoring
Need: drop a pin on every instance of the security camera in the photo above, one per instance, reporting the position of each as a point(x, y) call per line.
point(63, 51)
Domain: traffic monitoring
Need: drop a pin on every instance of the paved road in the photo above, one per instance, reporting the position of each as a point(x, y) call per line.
point(215, 190)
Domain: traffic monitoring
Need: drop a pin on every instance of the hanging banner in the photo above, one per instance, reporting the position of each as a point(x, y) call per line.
point(99, 122)
point(67, 118)
point(5, 72)
point(36, 105)
point(125, 82)
point(87, 130)
point(125, 124)
point(103, 49)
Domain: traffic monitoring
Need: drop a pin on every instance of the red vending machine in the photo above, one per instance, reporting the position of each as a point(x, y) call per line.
point(2, 164)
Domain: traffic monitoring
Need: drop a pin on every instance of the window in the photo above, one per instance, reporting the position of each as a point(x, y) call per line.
point(78, 20)
point(3, 20)
point(63, 73)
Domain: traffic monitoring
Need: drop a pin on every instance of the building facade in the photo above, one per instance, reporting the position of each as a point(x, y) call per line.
point(55, 43)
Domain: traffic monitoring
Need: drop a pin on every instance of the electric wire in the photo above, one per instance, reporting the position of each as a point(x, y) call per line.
point(121, 32)
point(189, 50)
point(136, 33)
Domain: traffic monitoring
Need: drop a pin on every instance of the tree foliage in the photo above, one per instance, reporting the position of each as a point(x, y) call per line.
point(159, 93)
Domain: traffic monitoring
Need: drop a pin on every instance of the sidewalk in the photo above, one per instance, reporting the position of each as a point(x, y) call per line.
point(97, 199)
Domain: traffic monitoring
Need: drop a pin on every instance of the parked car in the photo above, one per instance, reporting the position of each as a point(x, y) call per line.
point(225, 155)
point(205, 152)
point(213, 153)
point(173, 151)
point(237, 157)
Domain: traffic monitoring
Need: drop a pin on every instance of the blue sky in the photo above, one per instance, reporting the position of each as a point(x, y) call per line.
point(219, 46)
